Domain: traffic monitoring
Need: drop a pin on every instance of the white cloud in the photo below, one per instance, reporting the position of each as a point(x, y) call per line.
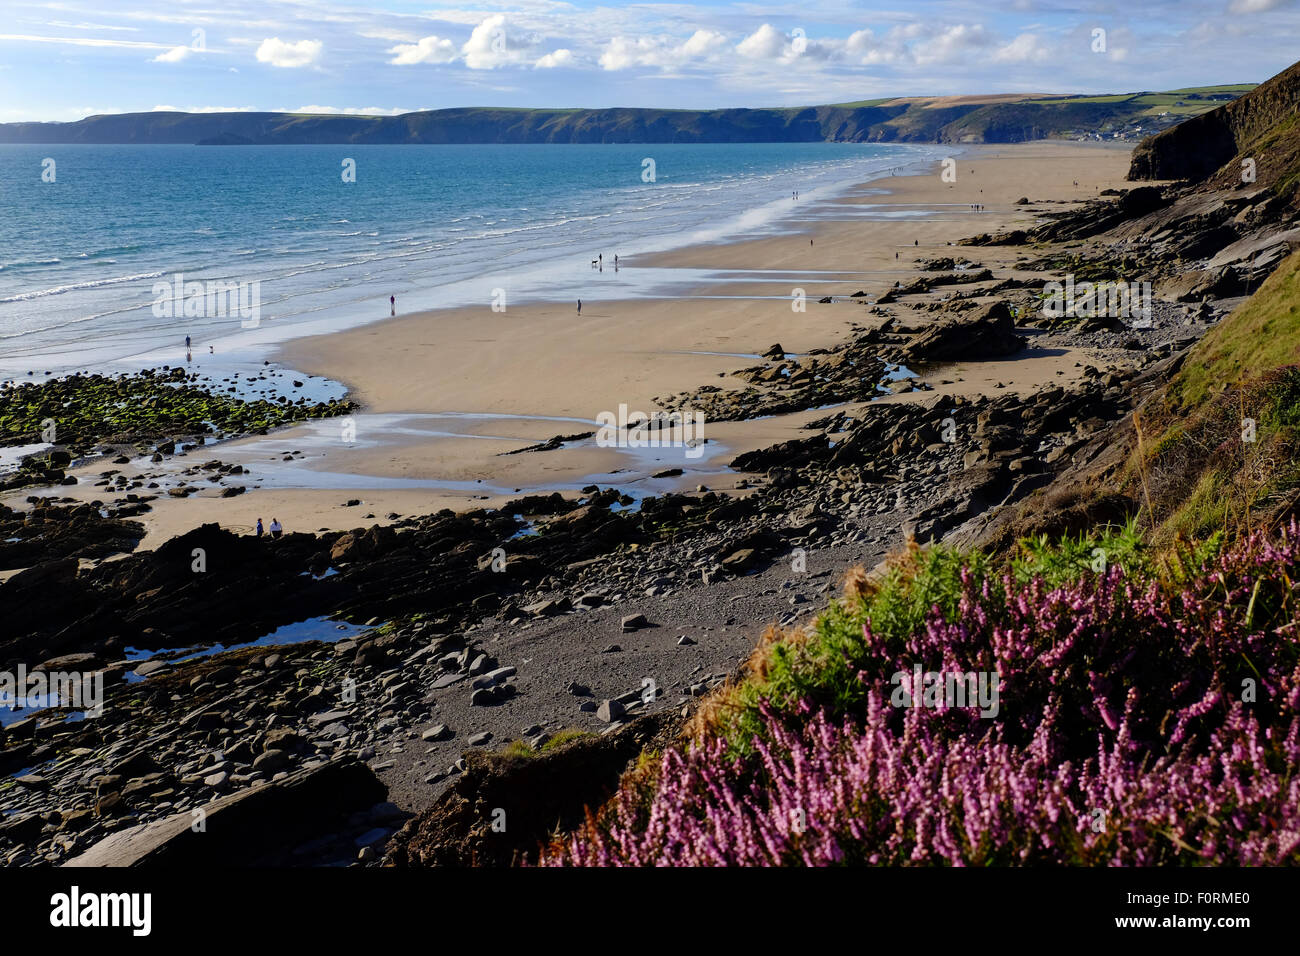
point(359, 111)
point(279, 53)
point(622, 52)
point(952, 44)
point(429, 50)
point(702, 43)
point(558, 58)
point(1255, 6)
point(84, 41)
point(488, 47)
point(1025, 48)
point(765, 43)
point(174, 55)
point(202, 109)
point(865, 48)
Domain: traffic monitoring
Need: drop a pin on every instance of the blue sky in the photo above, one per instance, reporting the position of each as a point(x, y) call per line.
point(65, 60)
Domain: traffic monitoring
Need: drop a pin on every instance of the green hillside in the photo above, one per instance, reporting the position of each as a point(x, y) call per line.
point(1127, 116)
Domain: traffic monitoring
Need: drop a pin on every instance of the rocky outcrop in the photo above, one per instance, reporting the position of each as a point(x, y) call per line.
point(503, 807)
point(1198, 147)
point(989, 332)
point(258, 826)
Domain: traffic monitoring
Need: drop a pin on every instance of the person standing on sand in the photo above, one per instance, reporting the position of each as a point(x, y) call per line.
point(580, 307)
point(392, 305)
point(259, 531)
point(276, 528)
point(187, 343)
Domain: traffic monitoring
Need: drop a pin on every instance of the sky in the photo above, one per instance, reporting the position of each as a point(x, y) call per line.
point(66, 60)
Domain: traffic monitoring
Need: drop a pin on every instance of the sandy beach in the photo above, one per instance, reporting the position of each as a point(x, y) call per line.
point(447, 393)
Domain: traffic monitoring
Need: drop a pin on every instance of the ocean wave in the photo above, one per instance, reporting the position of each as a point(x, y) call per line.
point(24, 263)
point(75, 286)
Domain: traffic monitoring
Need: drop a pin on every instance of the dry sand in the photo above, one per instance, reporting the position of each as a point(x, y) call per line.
point(545, 360)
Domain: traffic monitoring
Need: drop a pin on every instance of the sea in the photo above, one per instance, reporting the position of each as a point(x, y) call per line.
point(98, 244)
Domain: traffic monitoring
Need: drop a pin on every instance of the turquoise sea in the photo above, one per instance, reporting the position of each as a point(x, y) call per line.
point(80, 256)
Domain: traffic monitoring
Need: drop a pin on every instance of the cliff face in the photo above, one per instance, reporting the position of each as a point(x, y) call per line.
point(905, 122)
point(1260, 125)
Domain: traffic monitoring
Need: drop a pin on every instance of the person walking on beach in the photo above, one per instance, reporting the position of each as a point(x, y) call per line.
point(392, 305)
point(580, 307)
point(187, 343)
point(276, 528)
point(259, 532)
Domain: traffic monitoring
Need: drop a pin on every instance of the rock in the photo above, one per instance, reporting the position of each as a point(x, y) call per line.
point(986, 333)
point(437, 732)
point(740, 560)
point(137, 764)
point(372, 837)
point(271, 761)
point(549, 607)
point(491, 678)
point(634, 622)
point(258, 826)
point(610, 710)
point(282, 739)
point(684, 641)
point(480, 739)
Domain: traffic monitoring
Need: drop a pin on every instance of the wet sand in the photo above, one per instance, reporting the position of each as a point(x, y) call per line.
point(543, 361)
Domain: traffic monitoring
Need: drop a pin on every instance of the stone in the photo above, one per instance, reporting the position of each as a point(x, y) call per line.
point(610, 710)
point(271, 761)
point(634, 622)
point(259, 825)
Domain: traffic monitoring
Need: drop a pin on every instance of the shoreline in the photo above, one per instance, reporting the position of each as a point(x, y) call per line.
point(244, 346)
point(475, 362)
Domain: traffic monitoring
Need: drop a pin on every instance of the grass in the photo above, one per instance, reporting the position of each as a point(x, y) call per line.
point(821, 665)
point(520, 748)
point(1263, 334)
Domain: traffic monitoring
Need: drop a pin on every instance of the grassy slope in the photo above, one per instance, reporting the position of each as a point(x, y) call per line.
point(1191, 624)
point(1263, 334)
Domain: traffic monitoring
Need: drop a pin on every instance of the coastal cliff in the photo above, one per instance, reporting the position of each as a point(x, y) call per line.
point(904, 120)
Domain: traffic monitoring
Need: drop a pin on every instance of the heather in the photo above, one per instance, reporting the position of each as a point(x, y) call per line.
point(1148, 716)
